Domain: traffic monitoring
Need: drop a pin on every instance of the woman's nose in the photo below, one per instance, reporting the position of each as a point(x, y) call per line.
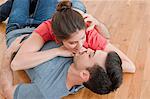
point(80, 44)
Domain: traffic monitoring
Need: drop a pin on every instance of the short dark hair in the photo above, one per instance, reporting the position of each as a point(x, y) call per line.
point(114, 69)
point(66, 21)
point(105, 81)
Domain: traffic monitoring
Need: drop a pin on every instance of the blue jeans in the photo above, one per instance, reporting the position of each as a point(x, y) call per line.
point(20, 18)
point(5, 9)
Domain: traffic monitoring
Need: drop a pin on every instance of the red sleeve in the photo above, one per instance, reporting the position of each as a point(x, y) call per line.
point(94, 40)
point(45, 31)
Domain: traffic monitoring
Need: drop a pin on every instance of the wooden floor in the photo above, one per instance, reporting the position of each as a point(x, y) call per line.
point(129, 24)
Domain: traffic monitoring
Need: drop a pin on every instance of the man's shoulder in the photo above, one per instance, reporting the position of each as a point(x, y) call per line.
point(50, 45)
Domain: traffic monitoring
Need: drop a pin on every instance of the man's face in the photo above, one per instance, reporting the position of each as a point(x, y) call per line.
point(89, 58)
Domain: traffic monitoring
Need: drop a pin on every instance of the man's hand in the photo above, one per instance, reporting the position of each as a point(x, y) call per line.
point(91, 20)
point(15, 45)
point(95, 24)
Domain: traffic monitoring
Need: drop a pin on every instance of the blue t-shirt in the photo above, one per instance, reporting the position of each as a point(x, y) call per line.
point(48, 80)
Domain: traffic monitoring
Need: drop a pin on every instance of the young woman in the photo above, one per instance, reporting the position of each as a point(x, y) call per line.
point(67, 27)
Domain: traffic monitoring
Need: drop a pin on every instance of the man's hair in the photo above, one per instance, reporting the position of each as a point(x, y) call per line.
point(105, 81)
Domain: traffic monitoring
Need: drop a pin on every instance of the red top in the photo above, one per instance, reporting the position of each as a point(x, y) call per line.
point(93, 39)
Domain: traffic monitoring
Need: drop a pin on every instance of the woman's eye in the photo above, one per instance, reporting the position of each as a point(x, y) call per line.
point(89, 55)
point(72, 43)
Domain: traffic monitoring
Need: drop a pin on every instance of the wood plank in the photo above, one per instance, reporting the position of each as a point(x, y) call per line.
point(129, 24)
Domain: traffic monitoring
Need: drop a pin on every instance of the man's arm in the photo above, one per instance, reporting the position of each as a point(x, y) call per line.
point(6, 78)
point(127, 64)
point(6, 74)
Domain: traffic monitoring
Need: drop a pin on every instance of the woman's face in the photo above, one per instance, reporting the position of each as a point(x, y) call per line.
point(76, 41)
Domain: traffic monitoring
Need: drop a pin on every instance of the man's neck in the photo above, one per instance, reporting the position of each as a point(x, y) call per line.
point(72, 77)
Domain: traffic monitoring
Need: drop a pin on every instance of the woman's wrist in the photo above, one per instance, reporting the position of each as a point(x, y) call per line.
point(56, 52)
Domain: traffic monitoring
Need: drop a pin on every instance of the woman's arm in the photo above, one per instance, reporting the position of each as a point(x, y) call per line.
point(29, 55)
point(127, 64)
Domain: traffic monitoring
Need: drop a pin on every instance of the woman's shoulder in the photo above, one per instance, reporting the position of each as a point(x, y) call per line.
point(49, 22)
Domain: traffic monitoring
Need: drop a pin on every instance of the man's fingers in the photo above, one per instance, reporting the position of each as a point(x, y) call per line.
point(19, 45)
point(88, 20)
point(19, 39)
point(16, 44)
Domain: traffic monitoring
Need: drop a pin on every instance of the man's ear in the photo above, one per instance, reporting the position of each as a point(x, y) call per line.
point(85, 75)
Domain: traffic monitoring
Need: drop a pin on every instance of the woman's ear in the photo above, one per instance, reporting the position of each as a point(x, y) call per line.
point(85, 75)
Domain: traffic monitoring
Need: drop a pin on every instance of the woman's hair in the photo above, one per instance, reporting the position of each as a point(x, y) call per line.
point(66, 21)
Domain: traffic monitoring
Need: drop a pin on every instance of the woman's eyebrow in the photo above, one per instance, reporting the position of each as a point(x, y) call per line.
point(73, 41)
point(77, 41)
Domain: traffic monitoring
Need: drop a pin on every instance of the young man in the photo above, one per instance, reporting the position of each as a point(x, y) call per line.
point(62, 76)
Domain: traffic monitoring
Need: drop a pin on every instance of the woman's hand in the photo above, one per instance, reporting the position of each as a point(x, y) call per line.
point(64, 52)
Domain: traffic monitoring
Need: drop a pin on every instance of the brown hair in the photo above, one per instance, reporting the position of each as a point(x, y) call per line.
point(66, 21)
point(104, 82)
